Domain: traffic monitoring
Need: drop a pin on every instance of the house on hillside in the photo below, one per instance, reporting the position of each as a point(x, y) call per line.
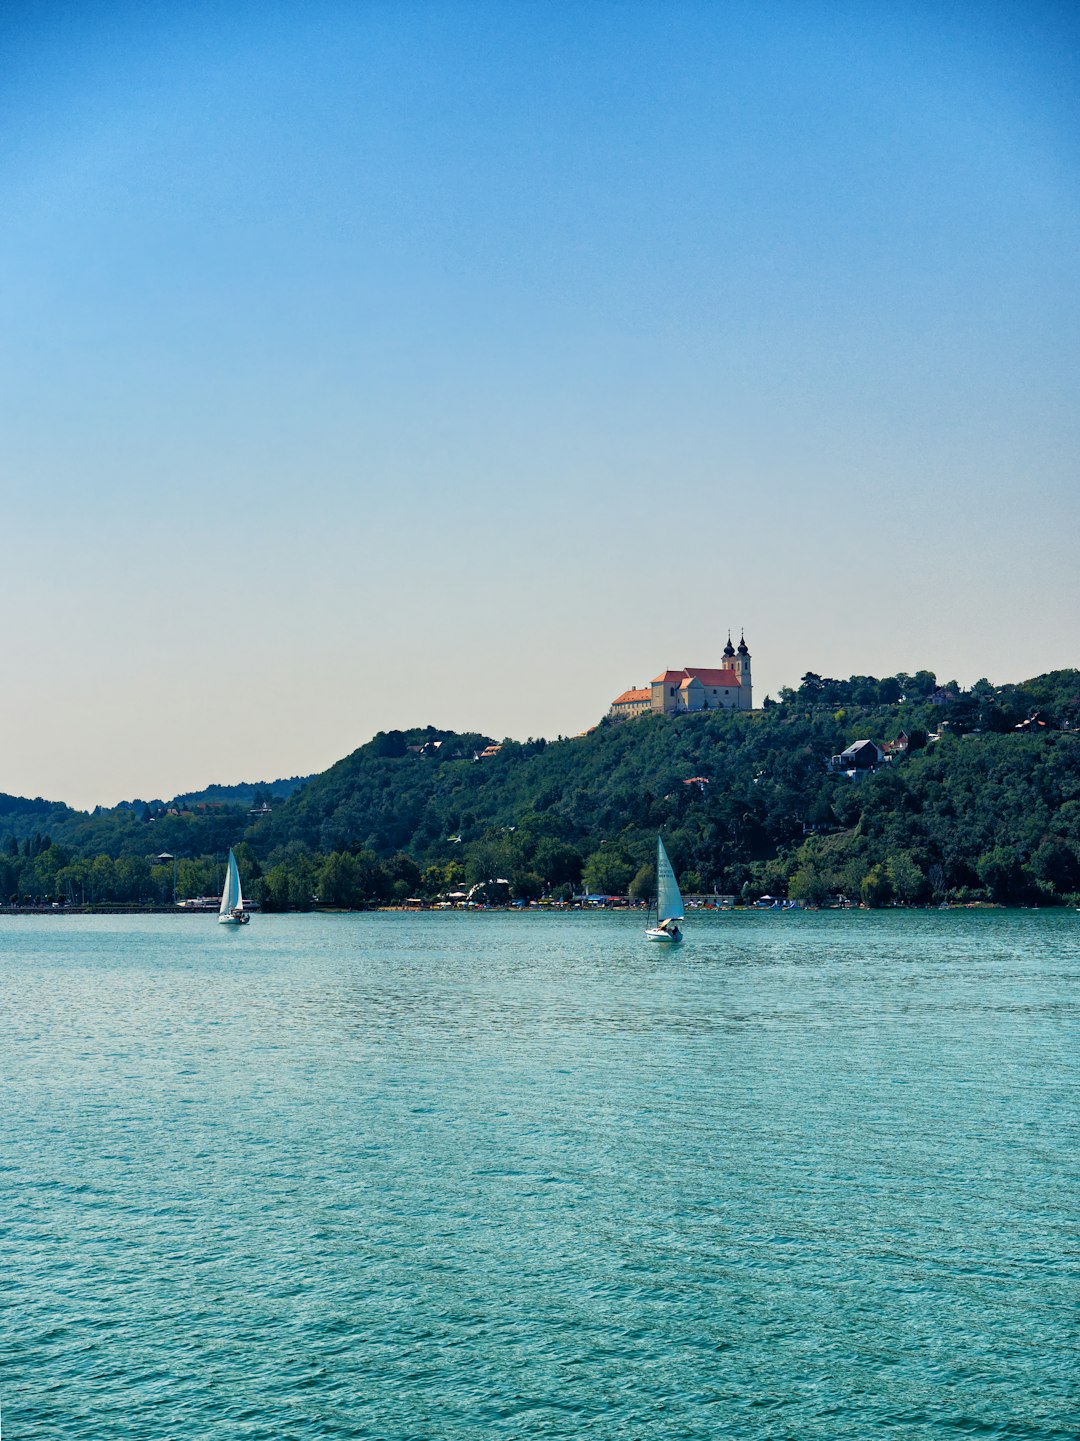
point(1036, 724)
point(864, 755)
point(428, 749)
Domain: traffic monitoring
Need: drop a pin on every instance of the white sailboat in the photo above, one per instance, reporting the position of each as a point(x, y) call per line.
point(669, 901)
point(231, 911)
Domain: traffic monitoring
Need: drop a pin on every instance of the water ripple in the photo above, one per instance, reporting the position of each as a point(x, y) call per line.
point(409, 1177)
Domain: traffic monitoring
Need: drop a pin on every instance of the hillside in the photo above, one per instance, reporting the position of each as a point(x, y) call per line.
point(744, 801)
point(244, 793)
point(975, 807)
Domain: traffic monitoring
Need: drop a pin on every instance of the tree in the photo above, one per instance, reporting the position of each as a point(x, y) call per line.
point(488, 859)
point(999, 869)
point(808, 883)
point(558, 863)
point(526, 886)
point(906, 878)
point(389, 744)
point(607, 873)
point(1055, 866)
point(403, 868)
point(338, 881)
point(272, 888)
point(643, 886)
point(102, 878)
point(133, 882)
point(876, 888)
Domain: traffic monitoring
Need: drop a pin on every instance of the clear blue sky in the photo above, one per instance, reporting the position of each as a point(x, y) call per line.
point(370, 365)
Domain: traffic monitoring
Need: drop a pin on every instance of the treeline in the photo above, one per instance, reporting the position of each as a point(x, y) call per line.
point(976, 808)
point(41, 872)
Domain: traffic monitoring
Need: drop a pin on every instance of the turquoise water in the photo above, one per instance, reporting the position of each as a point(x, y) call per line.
point(448, 1176)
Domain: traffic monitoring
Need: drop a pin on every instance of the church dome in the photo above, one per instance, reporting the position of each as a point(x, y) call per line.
point(743, 647)
point(729, 649)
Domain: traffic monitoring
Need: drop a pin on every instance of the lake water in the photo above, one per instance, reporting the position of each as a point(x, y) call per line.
point(466, 1176)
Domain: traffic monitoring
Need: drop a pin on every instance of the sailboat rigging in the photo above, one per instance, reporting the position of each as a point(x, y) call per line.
point(231, 912)
point(669, 901)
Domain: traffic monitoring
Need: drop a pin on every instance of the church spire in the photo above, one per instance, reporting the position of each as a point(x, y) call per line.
point(740, 664)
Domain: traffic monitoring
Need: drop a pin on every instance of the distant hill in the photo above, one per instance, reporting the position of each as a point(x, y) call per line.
point(245, 793)
point(20, 816)
point(217, 815)
point(984, 801)
point(979, 798)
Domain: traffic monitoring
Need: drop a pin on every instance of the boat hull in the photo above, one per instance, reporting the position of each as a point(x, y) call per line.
point(658, 935)
point(240, 920)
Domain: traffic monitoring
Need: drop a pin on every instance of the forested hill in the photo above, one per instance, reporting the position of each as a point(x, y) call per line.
point(984, 802)
point(245, 793)
point(742, 800)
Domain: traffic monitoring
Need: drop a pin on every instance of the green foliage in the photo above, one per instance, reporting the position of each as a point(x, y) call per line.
point(985, 810)
point(608, 872)
point(876, 888)
point(643, 886)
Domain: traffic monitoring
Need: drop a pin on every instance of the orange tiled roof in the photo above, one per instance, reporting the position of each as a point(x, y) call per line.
point(629, 697)
point(713, 677)
point(706, 677)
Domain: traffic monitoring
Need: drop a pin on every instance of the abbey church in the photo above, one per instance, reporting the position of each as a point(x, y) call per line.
point(692, 689)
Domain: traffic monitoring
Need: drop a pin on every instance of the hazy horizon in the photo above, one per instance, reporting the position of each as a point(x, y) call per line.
point(380, 366)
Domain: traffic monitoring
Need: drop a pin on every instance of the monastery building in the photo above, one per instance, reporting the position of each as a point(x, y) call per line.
point(692, 689)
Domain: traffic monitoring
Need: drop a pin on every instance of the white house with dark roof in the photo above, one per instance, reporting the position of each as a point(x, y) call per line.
point(865, 755)
point(694, 688)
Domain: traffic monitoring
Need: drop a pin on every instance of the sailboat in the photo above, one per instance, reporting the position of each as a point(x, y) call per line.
point(231, 911)
point(669, 902)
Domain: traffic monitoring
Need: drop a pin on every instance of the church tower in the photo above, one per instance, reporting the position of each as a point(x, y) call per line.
point(740, 664)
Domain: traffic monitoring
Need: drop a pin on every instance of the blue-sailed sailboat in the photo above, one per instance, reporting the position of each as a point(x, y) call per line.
point(669, 901)
point(231, 911)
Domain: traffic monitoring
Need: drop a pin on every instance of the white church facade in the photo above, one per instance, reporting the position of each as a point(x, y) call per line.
point(694, 688)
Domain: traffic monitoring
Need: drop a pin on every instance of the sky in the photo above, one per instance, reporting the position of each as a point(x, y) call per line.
point(383, 364)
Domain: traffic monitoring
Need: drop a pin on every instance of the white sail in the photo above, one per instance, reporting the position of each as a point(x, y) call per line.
point(669, 902)
point(231, 897)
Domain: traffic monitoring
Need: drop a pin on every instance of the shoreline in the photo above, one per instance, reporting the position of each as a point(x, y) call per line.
point(568, 910)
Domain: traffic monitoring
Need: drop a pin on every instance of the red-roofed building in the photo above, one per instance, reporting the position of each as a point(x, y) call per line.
point(631, 703)
point(694, 688)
